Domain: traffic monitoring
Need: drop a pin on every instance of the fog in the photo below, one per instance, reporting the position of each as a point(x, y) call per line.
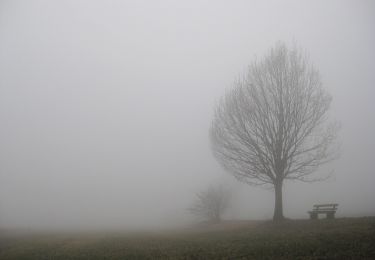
point(105, 107)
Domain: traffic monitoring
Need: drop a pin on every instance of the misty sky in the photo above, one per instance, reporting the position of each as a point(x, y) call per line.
point(105, 106)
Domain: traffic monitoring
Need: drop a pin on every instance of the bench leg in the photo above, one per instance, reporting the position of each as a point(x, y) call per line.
point(313, 215)
point(331, 215)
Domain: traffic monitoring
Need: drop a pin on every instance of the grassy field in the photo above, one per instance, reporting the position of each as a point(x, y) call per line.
point(349, 238)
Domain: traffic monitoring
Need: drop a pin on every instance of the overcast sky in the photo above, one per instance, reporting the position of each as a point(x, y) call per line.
point(105, 106)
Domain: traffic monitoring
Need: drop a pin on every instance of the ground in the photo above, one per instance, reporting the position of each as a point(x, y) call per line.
point(346, 238)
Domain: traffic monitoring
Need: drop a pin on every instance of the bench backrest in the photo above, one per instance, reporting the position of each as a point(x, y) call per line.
point(332, 206)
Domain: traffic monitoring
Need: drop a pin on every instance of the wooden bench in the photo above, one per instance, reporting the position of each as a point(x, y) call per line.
point(328, 209)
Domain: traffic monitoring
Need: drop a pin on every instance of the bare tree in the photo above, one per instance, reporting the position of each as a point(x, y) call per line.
point(211, 203)
point(273, 125)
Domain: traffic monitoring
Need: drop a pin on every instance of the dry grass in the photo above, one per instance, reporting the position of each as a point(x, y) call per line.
point(293, 239)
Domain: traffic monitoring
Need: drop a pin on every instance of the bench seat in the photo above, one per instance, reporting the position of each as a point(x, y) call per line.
point(328, 209)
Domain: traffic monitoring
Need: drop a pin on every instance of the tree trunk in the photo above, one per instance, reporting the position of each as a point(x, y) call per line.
point(278, 213)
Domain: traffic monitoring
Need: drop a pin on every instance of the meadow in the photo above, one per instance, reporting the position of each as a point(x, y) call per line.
point(344, 238)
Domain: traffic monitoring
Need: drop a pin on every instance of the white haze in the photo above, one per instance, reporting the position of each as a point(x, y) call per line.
point(105, 106)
